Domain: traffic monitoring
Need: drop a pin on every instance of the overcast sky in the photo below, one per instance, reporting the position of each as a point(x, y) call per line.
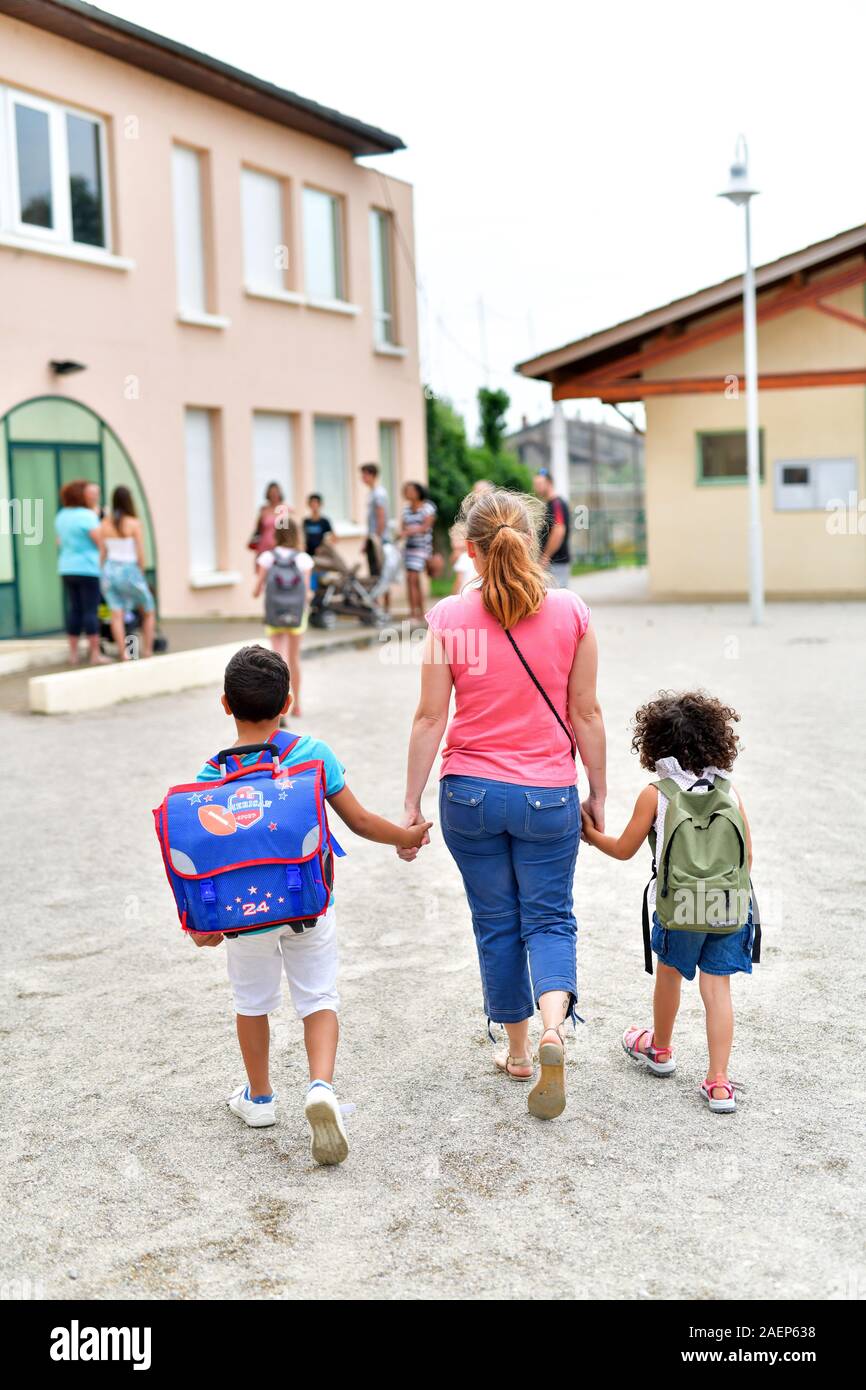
point(565, 156)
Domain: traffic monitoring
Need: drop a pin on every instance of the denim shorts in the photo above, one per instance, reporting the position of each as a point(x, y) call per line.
point(710, 952)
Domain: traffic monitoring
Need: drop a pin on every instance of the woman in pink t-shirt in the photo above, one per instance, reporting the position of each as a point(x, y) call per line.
point(521, 659)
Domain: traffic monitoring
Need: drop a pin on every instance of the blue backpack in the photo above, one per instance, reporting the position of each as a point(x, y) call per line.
point(253, 849)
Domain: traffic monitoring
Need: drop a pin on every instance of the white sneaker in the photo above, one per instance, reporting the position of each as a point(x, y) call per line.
point(257, 1114)
point(329, 1143)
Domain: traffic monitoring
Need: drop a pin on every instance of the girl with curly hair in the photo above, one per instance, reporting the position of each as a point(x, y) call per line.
point(687, 738)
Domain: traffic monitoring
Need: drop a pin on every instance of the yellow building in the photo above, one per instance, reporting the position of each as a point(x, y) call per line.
point(685, 362)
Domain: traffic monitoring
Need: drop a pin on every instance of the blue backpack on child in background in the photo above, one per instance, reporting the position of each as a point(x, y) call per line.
point(253, 849)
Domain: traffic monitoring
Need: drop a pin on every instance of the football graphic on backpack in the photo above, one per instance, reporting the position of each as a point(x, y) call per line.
point(217, 820)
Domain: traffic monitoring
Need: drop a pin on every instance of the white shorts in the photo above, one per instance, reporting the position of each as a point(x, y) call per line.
point(310, 960)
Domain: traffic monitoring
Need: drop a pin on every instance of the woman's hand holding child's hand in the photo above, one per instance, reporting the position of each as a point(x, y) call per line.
point(414, 837)
point(590, 829)
point(416, 828)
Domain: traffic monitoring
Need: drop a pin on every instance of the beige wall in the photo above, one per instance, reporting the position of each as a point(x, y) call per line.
point(122, 322)
point(697, 533)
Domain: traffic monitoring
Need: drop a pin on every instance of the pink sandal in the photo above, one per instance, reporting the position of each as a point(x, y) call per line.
point(722, 1105)
point(659, 1060)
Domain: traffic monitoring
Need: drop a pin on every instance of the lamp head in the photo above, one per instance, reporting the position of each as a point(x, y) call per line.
point(739, 189)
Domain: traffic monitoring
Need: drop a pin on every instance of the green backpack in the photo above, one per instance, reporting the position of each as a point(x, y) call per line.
point(702, 872)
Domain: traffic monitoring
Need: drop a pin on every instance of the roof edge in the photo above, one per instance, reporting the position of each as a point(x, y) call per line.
point(143, 48)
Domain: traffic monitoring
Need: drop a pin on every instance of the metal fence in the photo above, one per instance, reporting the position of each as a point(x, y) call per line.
point(603, 538)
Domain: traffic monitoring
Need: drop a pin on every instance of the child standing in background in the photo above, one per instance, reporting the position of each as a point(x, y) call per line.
point(292, 562)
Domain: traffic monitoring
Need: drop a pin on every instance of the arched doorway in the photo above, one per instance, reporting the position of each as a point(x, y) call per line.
point(44, 443)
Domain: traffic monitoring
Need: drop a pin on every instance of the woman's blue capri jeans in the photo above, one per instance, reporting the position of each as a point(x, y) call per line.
point(516, 847)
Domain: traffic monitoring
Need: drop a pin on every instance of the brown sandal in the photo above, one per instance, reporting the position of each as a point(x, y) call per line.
point(546, 1100)
point(504, 1061)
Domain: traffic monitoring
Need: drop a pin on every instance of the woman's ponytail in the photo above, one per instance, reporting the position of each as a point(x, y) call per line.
point(502, 527)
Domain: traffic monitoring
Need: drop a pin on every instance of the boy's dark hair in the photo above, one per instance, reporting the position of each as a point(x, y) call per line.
point(371, 468)
point(695, 728)
point(315, 497)
point(256, 684)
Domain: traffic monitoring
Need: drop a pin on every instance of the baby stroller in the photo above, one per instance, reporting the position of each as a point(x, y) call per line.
point(341, 593)
point(132, 624)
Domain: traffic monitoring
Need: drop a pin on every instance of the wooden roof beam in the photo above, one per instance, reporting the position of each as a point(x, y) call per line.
point(638, 389)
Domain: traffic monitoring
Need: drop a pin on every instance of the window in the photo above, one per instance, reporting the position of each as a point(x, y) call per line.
point(323, 245)
point(722, 456)
point(54, 172)
point(331, 467)
point(389, 461)
point(188, 189)
point(272, 455)
point(200, 493)
point(383, 286)
point(266, 254)
point(807, 485)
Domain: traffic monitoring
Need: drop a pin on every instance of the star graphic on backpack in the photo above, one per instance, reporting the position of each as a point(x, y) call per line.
point(195, 798)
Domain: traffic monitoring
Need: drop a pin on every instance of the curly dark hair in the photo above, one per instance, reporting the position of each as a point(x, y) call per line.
point(694, 727)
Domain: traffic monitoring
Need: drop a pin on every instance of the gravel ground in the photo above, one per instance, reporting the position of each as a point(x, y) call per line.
point(125, 1176)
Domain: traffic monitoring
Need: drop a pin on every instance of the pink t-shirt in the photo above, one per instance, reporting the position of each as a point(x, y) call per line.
point(502, 729)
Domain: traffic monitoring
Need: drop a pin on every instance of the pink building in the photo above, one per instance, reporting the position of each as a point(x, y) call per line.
point(202, 292)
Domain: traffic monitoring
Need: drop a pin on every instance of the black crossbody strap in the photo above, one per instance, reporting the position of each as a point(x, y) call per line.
point(543, 693)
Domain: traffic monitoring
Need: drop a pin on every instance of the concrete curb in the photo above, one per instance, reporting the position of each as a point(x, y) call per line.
point(97, 687)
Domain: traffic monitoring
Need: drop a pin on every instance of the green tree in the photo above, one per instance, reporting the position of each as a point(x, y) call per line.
point(454, 465)
point(492, 409)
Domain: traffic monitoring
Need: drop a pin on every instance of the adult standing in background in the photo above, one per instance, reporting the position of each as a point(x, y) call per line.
point(416, 532)
point(78, 537)
point(377, 523)
point(122, 537)
point(262, 538)
point(555, 554)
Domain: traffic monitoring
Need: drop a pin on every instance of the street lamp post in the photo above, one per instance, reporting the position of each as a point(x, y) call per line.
point(740, 194)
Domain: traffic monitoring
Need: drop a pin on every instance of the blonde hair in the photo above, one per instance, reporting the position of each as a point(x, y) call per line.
point(288, 535)
point(503, 526)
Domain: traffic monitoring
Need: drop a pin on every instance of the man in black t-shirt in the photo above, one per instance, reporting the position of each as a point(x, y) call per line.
point(553, 540)
point(317, 527)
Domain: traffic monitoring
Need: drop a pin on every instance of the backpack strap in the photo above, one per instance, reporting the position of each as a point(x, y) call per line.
point(647, 946)
point(722, 784)
point(284, 742)
point(756, 923)
point(668, 787)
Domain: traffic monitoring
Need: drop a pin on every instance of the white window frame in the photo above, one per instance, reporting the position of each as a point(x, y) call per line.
point(344, 525)
point(280, 287)
point(340, 249)
point(58, 153)
point(384, 319)
point(196, 497)
point(288, 484)
point(814, 495)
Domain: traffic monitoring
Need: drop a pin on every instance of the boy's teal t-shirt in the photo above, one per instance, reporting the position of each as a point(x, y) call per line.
point(305, 750)
point(78, 553)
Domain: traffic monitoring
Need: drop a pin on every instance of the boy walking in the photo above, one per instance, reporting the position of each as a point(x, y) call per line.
point(257, 694)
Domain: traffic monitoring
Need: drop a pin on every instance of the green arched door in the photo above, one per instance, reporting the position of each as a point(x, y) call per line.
point(45, 443)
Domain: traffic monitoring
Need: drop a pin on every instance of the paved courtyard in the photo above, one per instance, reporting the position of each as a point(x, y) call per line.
point(125, 1176)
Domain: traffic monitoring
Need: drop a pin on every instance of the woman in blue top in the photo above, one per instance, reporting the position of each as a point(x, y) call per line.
point(77, 529)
